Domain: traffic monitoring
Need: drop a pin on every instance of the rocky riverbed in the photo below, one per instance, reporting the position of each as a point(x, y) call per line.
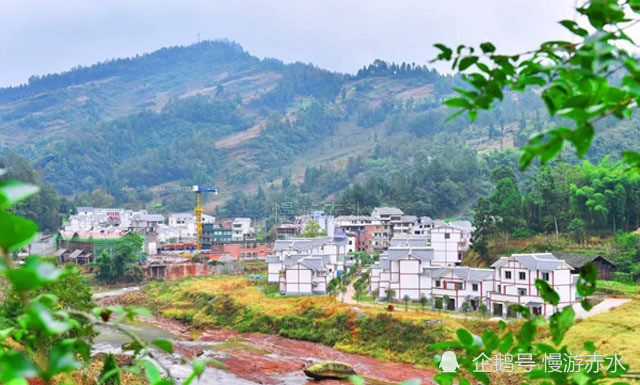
point(253, 358)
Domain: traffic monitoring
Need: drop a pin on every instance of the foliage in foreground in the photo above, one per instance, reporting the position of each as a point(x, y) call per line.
point(54, 332)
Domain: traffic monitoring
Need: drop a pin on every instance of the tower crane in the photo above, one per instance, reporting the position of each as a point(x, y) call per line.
point(198, 190)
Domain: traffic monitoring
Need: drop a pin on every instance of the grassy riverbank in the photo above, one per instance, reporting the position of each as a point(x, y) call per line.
point(241, 304)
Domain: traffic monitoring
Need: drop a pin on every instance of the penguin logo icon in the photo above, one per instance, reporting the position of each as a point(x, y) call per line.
point(449, 362)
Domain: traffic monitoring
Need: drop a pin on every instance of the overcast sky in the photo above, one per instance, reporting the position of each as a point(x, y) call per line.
point(44, 36)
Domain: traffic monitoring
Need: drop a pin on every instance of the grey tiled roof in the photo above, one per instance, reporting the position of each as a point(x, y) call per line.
point(576, 260)
point(424, 254)
point(313, 263)
point(292, 259)
point(434, 272)
point(543, 261)
point(411, 241)
point(470, 274)
point(153, 218)
point(272, 259)
point(388, 211)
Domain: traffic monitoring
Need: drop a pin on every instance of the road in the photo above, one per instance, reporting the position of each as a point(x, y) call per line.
point(606, 305)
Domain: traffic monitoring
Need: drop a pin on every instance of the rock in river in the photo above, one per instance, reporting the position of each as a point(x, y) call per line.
point(330, 369)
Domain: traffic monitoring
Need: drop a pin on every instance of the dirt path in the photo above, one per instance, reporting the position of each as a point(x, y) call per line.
point(606, 305)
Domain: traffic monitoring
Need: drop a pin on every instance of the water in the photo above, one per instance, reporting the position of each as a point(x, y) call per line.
point(111, 340)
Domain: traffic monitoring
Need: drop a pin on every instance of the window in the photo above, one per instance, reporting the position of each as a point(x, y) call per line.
point(438, 283)
point(459, 256)
point(522, 275)
point(447, 235)
point(474, 287)
point(507, 275)
point(545, 276)
point(522, 291)
point(458, 286)
point(499, 288)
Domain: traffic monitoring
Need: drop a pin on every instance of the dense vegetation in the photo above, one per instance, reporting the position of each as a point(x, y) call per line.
point(322, 137)
point(47, 209)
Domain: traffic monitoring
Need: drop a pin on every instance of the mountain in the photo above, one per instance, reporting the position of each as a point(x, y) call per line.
point(210, 113)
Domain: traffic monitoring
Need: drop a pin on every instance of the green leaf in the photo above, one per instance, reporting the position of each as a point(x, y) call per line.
point(12, 192)
point(587, 280)
point(152, 373)
point(527, 333)
point(574, 28)
point(487, 47)
point(467, 62)
point(547, 293)
point(465, 337)
point(164, 345)
point(62, 358)
point(444, 378)
point(560, 322)
point(356, 380)
point(586, 305)
point(45, 320)
point(481, 376)
point(506, 343)
point(445, 52)
point(589, 346)
point(14, 364)
point(33, 274)
point(490, 340)
point(582, 138)
point(457, 102)
point(15, 232)
point(464, 381)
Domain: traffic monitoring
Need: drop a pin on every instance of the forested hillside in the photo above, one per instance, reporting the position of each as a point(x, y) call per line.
point(266, 132)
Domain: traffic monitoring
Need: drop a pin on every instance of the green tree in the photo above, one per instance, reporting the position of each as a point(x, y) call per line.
point(406, 299)
point(122, 265)
point(506, 206)
point(110, 374)
point(312, 229)
point(483, 227)
point(465, 307)
point(424, 302)
point(483, 309)
point(390, 294)
point(445, 301)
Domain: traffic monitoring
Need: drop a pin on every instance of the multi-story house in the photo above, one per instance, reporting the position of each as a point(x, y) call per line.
point(449, 244)
point(514, 282)
point(306, 265)
point(405, 225)
point(387, 215)
point(241, 229)
point(459, 284)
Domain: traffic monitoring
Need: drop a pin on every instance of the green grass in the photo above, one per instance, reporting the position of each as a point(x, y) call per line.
point(616, 288)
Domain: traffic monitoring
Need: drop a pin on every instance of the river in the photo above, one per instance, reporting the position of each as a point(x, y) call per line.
point(250, 358)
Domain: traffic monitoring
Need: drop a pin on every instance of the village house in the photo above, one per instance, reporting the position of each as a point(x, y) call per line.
point(304, 266)
point(577, 262)
point(452, 286)
point(514, 283)
point(241, 229)
point(84, 247)
point(449, 243)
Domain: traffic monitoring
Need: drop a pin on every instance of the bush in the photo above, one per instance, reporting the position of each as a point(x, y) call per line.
point(108, 366)
point(621, 277)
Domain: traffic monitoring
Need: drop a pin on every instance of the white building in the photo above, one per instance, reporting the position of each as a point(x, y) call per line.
point(304, 266)
point(387, 215)
point(414, 272)
point(514, 282)
point(241, 228)
point(449, 244)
